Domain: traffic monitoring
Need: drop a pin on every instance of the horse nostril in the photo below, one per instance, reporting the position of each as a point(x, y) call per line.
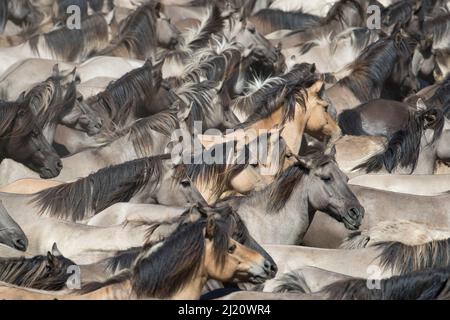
point(59, 164)
point(20, 244)
point(354, 213)
point(270, 267)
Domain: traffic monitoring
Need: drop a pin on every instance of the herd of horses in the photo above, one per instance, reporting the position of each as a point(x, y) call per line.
point(93, 205)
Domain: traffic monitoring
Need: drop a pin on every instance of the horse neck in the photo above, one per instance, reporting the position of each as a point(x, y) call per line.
point(118, 291)
point(287, 226)
point(49, 132)
point(116, 152)
point(427, 157)
point(293, 129)
point(193, 289)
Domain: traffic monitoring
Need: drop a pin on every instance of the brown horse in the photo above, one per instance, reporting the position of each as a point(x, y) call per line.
point(21, 139)
point(176, 269)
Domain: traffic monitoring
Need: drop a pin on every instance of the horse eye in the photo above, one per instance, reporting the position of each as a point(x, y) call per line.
point(326, 178)
point(186, 183)
point(232, 248)
point(251, 29)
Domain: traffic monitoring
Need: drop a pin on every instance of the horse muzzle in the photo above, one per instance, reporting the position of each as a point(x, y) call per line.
point(353, 218)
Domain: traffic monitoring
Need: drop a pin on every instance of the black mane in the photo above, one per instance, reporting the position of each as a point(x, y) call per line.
point(86, 196)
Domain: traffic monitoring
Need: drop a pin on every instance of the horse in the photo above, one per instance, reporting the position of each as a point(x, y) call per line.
point(428, 210)
point(159, 273)
point(381, 70)
point(90, 38)
point(139, 86)
point(10, 232)
point(146, 180)
point(22, 140)
point(302, 109)
point(422, 185)
point(269, 20)
point(418, 285)
point(318, 8)
point(79, 242)
point(415, 148)
point(20, 12)
point(403, 231)
point(342, 15)
point(165, 220)
point(331, 53)
point(49, 272)
point(270, 215)
point(26, 73)
point(378, 117)
point(142, 32)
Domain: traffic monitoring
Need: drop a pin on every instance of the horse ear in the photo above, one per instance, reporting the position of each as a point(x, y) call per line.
point(305, 162)
point(55, 70)
point(55, 251)
point(50, 257)
point(109, 17)
point(420, 105)
point(21, 97)
point(183, 110)
point(210, 227)
point(158, 8)
point(317, 86)
point(331, 151)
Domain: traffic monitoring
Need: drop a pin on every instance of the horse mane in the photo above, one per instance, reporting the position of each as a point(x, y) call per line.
point(45, 99)
point(211, 63)
point(293, 281)
point(137, 32)
point(217, 175)
point(403, 258)
point(141, 132)
point(439, 27)
point(285, 91)
point(197, 38)
point(399, 12)
point(350, 122)
point(280, 20)
point(419, 285)
point(178, 260)
point(441, 97)
point(278, 193)
point(126, 258)
point(3, 15)
point(338, 11)
point(162, 270)
point(372, 68)
point(9, 112)
point(126, 94)
point(97, 5)
point(356, 240)
point(101, 189)
point(72, 44)
point(36, 272)
point(200, 97)
point(404, 147)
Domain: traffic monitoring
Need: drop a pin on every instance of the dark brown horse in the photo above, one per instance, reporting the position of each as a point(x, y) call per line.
point(21, 139)
point(375, 118)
